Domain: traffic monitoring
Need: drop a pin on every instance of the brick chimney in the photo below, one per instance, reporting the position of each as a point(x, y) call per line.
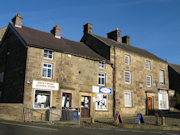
point(115, 35)
point(126, 40)
point(87, 28)
point(56, 31)
point(17, 21)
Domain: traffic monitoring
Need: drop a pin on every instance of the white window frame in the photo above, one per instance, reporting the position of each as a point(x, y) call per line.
point(101, 76)
point(47, 70)
point(100, 100)
point(127, 59)
point(148, 64)
point(127, 77)
point(102, 64)
point(130, 102)
point(161, 96)
point(161, 77)
point(48, 54)
point(50, 98)
point(148, 81)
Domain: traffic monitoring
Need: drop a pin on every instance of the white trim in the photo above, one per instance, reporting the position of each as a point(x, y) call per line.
point(105, 101)
point(50, 98)
point(47, 68)
point(160, 100)
point(102, 64)
point(148, 64)
point(127, 59)
point(48, 54)
point(162, 77)
point(150, 79)
point(129, 78)
point(130, 99)
point(101, 78)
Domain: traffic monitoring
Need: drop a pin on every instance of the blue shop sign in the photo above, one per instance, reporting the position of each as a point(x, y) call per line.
point(105, 90)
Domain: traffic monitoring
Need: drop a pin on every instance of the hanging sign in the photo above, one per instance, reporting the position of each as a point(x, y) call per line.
point(139, 119)
point(96, 89)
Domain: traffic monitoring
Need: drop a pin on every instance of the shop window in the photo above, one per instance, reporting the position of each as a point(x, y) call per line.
point(161, 77)
point(128, 99)
point(66, 100)
point(47, 70)
point(128, 77)
point(48, 54)
point(101, 79)
point(148, 80)
point(127, 59)
point(163, 100)
point(85, 102)
point(102, 64)
point(42, 99)
point(101, 102)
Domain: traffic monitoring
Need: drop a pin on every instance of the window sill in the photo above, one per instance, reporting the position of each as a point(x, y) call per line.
point(101, 110)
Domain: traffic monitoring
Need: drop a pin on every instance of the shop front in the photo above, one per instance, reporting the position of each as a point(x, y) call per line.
point(163, 99)
point(43, 94)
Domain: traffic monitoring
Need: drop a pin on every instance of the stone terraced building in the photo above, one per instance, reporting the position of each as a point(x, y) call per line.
point(99, 75)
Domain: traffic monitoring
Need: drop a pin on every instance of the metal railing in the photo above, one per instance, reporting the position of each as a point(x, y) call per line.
point(52, 115)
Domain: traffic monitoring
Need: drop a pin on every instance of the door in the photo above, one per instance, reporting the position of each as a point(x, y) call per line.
point(85, 106)
point(149, 103)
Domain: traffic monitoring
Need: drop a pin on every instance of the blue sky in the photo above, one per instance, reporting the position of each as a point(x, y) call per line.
point(153, 25)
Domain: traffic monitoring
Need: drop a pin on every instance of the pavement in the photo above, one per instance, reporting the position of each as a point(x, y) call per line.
point(172, 122)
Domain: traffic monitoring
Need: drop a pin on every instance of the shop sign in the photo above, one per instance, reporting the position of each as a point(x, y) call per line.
point(97, 89)
point(45, 85)
point(105, 90)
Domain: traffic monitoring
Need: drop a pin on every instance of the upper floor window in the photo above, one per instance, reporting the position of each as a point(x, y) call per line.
point(101, 79)
point(161, 77)
point(128, 77)
point(127, 59)
point(47, 70)
point(102, 64)
point(48, 54)
point(148, 80)
point(128, 99)
point(148, 64)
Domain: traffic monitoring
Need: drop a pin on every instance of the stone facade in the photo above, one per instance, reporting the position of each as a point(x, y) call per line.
point(115, 51)
point(74, 74)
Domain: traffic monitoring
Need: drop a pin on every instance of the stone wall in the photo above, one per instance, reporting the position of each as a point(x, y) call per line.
point(74, 74)
point(11, 111)
point(138, 85)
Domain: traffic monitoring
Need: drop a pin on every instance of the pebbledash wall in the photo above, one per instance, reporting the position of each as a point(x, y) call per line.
point(72, 74)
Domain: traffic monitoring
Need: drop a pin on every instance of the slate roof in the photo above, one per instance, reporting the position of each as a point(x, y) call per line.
point(175, 67)
point(128, 48)
point(41, 39)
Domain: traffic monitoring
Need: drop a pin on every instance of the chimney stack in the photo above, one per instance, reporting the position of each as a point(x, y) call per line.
point(56, 31)
point(126, 40)
point(17, 21)
point(115, 35)
point(87, 28)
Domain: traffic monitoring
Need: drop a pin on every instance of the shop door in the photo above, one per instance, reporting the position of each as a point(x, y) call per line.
point(85, 106)
point(149, 103)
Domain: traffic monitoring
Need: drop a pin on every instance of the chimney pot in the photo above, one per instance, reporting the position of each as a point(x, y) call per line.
point(56, 31)
point(17, 21)
point(115, 35)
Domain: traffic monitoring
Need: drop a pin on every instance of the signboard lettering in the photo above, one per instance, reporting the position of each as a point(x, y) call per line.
point(45, 85)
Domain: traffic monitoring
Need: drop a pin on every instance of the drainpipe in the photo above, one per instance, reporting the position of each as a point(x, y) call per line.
point(114, 83)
